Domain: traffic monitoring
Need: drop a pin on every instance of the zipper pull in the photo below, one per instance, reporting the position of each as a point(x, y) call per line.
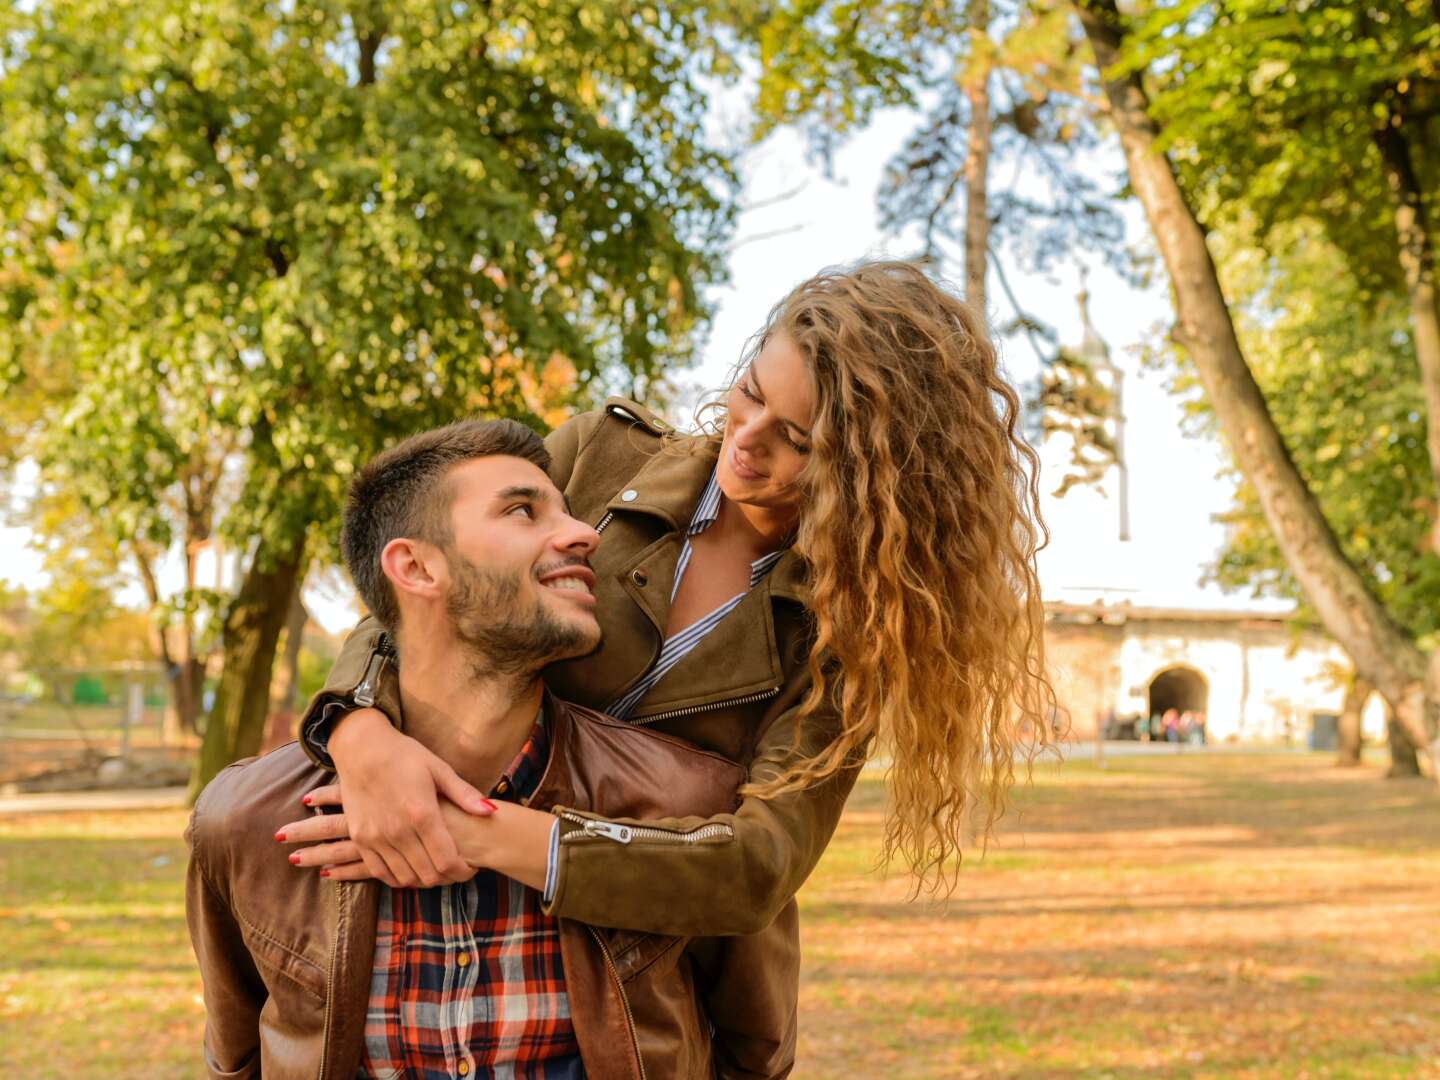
point(365, 692)
point(608, 829)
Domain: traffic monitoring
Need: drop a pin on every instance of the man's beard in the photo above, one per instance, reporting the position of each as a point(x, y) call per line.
point(505, 636)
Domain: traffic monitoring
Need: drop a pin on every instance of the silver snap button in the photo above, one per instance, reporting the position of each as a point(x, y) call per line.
point(629, 495)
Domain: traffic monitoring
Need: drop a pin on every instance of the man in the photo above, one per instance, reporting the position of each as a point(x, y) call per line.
point(461, 545)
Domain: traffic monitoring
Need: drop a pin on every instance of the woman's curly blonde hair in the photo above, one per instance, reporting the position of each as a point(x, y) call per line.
point(919, 525)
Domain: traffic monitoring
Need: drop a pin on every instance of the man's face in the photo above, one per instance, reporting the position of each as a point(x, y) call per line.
point(521, 592)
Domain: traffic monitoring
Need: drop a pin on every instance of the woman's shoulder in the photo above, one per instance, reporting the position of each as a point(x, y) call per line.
point(609, 442)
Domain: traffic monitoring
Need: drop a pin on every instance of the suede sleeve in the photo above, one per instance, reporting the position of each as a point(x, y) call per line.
point(735, 884)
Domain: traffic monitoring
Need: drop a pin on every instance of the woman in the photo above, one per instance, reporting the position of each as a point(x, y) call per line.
point(845, 557)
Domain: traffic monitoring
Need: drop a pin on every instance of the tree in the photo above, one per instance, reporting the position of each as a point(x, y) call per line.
point(1334, 361)
point(1338, 106)
point(262, 240)
point(1382, 652)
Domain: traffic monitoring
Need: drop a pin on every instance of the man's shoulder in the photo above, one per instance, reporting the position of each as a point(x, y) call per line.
point(646, 773)
point(240, 810)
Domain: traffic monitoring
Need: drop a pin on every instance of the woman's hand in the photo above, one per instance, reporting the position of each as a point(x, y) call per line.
point(393, 787)
point(505, 837)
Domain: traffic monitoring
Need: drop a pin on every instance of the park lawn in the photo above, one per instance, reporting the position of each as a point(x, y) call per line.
point(1200, 916)
point(1187, 916)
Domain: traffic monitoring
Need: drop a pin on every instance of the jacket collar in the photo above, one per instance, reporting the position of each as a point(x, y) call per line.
point(669, 486)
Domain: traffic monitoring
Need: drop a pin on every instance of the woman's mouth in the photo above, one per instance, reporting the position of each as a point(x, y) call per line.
point(741, 469)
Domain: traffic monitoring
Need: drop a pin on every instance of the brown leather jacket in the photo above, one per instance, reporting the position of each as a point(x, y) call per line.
point(286, 956)
point(738, 693)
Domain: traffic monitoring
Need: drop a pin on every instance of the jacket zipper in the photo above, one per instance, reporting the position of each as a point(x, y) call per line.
point(384, 652)
point(691, 710)
point(624, 999)
point(623, 834)
point(330, 984)
point(604, 521)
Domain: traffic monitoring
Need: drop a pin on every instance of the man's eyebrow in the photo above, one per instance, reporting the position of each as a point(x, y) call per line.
point(522, 491)
point(803, 432)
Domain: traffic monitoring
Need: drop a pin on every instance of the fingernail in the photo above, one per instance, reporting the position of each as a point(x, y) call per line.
point(324, 873)
point(295, 858)
point(487, 806)
point(306, 800)
point(280, 836)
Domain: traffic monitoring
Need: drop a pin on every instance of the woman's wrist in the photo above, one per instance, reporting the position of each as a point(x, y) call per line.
point(359, 727)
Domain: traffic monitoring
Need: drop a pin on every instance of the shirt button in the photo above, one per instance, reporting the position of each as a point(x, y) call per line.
point(463, 959)
point(640, 578)
point(629, 495)
point(464, 1069)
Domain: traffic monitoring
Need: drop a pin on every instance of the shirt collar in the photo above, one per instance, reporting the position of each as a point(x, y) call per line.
point(522, 775)
point(707, 510)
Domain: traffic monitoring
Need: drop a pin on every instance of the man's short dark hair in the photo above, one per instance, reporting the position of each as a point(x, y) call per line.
point(402, 492)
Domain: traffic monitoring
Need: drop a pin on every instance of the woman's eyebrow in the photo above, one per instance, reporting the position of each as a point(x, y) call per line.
point(756, 379)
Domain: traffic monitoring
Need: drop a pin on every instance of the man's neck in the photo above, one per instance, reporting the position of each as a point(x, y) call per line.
point(476, 725)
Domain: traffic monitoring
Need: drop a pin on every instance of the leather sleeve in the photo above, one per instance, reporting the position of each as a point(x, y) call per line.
point(733, 886)
point(234, 991)
point(565, 444)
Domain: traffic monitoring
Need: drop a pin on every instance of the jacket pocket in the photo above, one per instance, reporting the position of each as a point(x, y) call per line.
point(635, 952)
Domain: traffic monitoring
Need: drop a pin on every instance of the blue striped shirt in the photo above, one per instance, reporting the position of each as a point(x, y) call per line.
point(678, 645)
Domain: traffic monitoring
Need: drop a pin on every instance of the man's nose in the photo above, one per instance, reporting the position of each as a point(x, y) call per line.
point(576, 537)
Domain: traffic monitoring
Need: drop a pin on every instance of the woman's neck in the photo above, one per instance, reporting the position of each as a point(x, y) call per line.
point(758, 529)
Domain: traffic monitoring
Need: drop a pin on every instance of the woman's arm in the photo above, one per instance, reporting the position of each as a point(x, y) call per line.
point(690, 877)
point(695, 881)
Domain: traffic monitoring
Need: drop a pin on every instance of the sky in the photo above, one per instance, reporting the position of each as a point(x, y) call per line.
point(1175, 486)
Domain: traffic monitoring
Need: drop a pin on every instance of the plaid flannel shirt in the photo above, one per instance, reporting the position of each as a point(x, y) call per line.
point(467, 979)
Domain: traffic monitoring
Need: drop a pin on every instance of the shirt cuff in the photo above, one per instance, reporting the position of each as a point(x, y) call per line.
point(552, 862)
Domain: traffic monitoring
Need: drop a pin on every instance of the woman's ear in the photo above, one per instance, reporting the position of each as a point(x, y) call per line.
point(415, 568)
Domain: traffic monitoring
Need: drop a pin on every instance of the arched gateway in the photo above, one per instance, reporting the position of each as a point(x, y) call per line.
point(1180, 688)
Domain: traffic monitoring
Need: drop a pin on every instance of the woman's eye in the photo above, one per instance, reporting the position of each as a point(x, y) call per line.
point(744, 389)
point(794, 445)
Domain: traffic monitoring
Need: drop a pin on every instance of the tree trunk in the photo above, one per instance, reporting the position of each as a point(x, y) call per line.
point(1417, 260)
point(1357, 693)
point(977, 157)
point(1380, 649)
point(280, 724)
point(251, 632)
point(1404, 758)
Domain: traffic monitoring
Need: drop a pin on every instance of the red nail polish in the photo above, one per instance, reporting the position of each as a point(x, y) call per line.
point(306, 800)
point(488, 806)
point(280, 836)
point(295, 858)
point(324, 873)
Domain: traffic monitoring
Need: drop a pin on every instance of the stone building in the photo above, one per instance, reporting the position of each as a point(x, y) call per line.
point(1255, 677)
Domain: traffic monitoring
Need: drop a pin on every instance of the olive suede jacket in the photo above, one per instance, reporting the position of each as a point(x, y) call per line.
point(738, 693)
point(286, 957)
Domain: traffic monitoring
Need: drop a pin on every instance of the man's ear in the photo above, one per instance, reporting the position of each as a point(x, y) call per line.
point(415, 568)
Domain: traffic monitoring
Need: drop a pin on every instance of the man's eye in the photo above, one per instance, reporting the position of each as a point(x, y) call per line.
point(522, 508)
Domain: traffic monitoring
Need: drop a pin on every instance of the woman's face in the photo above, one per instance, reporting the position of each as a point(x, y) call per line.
point(767, 428)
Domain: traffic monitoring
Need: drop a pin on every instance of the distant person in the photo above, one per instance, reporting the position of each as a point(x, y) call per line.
point(1170, 725)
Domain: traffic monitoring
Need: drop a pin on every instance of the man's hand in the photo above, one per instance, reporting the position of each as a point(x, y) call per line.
point(393, 788)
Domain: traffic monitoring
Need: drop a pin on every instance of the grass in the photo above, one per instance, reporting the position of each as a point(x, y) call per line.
point(1205, 917)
